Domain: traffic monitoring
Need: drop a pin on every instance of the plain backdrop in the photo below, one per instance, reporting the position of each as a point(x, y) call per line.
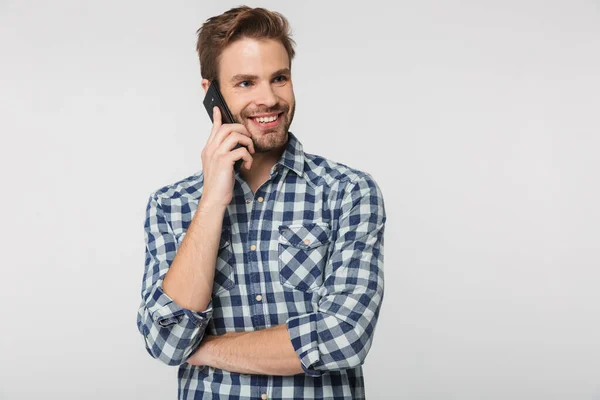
point(479, 120)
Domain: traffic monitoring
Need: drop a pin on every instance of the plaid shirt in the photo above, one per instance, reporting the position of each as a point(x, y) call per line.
point(317, 266)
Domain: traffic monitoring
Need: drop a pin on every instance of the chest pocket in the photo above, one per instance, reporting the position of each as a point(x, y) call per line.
point(224, 271)
point(302, 255)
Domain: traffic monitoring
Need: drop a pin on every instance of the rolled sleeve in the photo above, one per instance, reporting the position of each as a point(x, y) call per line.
point(171, 333)
point(303, 334)
point(164, 311)
point(340, 333)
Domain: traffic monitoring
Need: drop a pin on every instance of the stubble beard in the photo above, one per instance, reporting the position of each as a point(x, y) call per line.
point(274, 139)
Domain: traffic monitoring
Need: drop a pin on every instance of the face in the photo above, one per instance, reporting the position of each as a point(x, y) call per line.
point(256, 83)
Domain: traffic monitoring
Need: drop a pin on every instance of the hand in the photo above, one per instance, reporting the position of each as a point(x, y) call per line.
point(218, 159)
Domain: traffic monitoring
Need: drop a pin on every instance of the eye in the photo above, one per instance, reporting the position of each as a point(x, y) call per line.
point(243, 84)
point(280, 79)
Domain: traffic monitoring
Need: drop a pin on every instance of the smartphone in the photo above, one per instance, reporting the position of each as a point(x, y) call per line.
point(215, 98)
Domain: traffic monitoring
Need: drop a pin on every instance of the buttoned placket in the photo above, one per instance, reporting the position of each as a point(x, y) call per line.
point(256, 204)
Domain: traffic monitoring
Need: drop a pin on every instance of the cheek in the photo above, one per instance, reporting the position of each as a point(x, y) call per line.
point(239, 102)
point(241, 107)
point(286, 94)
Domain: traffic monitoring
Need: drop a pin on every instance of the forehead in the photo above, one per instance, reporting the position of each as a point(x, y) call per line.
point(253, 57)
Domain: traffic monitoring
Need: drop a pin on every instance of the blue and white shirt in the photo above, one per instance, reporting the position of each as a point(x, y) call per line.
point(305, 250)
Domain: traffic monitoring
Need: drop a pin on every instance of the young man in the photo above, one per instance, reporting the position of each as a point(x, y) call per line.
point(265, 281)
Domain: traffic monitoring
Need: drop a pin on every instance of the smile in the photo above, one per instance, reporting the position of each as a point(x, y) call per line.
point(267, 121)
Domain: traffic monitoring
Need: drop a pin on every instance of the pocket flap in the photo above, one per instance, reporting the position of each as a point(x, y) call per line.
point(304, 236)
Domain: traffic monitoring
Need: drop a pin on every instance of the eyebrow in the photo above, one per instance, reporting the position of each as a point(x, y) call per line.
point(246, 77)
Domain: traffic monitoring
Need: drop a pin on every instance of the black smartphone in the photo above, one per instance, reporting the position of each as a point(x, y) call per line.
point(215, 98)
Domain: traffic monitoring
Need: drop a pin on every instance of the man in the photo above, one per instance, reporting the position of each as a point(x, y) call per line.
point(264, 281)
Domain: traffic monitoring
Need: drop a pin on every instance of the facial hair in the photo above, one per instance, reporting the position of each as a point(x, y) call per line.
point(273, 139)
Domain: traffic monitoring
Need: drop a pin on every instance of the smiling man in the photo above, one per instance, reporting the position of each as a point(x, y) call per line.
point(264, 281)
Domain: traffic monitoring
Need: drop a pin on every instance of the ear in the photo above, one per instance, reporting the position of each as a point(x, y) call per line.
point(205, 85)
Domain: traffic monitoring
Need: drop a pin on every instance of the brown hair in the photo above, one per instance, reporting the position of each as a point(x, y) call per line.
point(237, 23)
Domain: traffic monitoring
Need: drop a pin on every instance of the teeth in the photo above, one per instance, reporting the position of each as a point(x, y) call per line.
point(266, 119)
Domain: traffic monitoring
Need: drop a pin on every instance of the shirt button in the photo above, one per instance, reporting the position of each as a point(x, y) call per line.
point(260, 199)
point(253, 247)
point(258, 298)
point(248, 201)
point(264, 396)
point(307, 241)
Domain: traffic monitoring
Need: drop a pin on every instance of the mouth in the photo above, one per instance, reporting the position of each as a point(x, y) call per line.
point(267, 121)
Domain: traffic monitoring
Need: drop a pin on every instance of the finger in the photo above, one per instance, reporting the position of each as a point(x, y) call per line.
point(217, 122)
point(241, 153)
point(226, 130)
point(233, 139)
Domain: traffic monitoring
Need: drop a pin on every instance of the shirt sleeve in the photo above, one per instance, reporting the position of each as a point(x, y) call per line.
point(171, 333)
point(340, 333)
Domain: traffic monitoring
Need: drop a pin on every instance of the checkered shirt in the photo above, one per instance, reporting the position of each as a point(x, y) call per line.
point(317, 227)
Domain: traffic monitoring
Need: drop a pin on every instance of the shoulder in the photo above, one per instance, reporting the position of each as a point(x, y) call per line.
point(189, 188)
point(352, 192)
point(321, 171)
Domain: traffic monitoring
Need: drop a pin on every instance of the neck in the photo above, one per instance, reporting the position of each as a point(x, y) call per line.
point(260, 170)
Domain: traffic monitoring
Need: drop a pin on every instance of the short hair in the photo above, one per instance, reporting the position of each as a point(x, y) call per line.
point(241, 22)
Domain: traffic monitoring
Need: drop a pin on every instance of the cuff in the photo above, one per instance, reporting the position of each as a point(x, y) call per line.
point(303, 334)
point(165, 311)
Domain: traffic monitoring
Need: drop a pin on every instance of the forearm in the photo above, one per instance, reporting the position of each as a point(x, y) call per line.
point(265, 352)
point(190, 278)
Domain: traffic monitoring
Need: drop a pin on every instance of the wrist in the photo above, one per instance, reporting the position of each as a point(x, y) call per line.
point(207, 206)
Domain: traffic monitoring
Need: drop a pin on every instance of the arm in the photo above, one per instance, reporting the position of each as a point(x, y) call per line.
point(189, 281)
point(172, 318)
point(339, 334)
point(266, 352)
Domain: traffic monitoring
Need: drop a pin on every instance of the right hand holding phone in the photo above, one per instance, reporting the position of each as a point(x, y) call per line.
point(218, 158)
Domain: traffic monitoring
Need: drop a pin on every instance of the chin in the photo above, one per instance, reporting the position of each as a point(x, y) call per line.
point(265, 142)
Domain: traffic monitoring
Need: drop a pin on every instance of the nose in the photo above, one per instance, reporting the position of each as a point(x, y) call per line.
point(266, 96)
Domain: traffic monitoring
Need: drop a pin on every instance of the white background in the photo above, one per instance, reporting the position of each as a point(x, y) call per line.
point(479, 120)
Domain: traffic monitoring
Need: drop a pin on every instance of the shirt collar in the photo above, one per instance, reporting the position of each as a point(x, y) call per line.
point(293, 155)
point(291, 158)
